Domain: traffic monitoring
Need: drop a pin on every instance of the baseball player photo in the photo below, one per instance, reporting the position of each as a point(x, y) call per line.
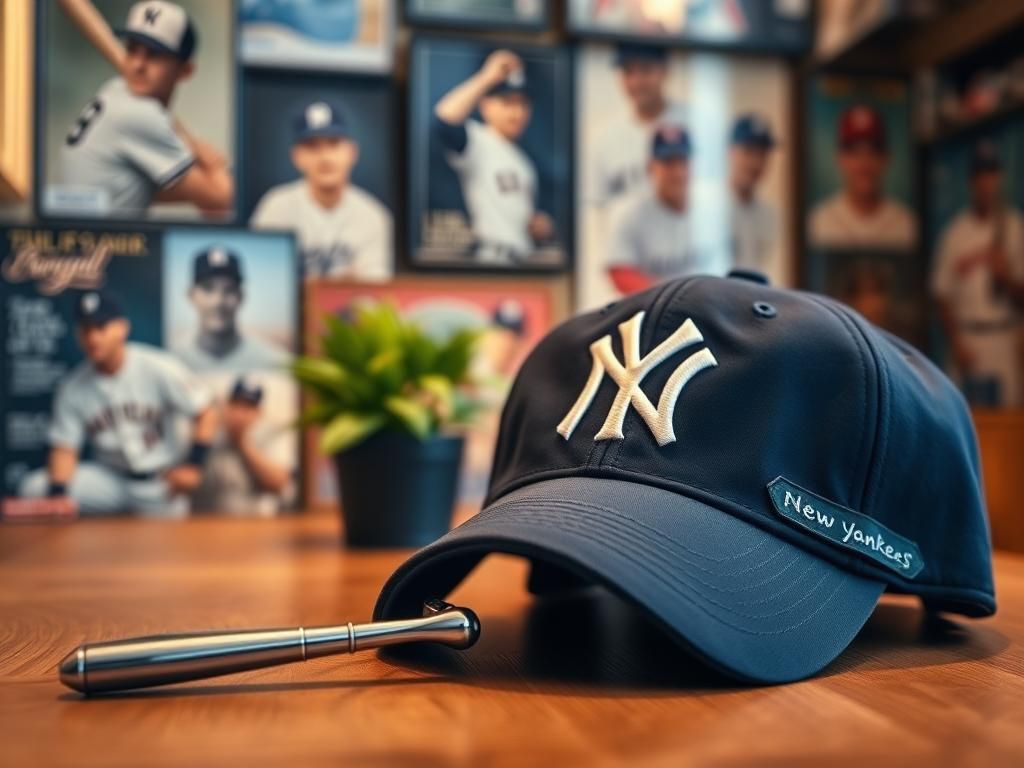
point(342, 229)
point(496, 128)
point(250, 469)
point(861, 214)
point(131, 145)
point(618, 165)
point(124, 402)
point(753, 222)
point(733, 114)
point(331, 35)
point(977, 282)
point(217, 295)
point(653, 238)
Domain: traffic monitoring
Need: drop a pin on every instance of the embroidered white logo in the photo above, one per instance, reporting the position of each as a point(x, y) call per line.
point(630, 375)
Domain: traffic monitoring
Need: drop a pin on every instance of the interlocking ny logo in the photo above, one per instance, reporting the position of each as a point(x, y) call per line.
point(151, 14)
point(630, 375)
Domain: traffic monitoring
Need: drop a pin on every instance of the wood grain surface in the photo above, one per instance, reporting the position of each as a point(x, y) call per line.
point(580, 681)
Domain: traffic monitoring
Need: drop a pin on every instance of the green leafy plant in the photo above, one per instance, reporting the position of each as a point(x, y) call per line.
point(378, 371)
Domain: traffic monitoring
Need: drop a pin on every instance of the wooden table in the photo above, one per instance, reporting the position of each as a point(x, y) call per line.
point(577, 682)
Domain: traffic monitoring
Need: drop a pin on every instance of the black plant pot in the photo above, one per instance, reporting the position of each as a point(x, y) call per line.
point(397, 491)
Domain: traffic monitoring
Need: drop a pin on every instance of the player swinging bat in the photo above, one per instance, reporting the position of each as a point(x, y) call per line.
point(126, 150)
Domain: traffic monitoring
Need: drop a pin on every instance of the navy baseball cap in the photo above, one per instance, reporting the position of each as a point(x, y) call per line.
point(514, 83)
point(753, 467)
point(216, 261)
point(753, 131)
point(97, 308)
point(509, 314)
point(985, 158)
point(321, 119)
point(246, 390)
point(162, 26)
point(627, 53)
point(670, 141)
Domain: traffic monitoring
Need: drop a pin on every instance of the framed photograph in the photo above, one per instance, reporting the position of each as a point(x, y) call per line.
point(320, 162)
point(486, 14)
point(647, 168)
point(120, 359)
point(860, 187)
point(136, 120)
point(489, 183)
point(17, 22)
point(976, 263)
point(230, 315)
point(779, 26)
point(334, 35)
point(512, 315)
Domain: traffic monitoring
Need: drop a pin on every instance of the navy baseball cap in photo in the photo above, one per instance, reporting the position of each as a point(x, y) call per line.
point(162, 26)
point(985, 158)
point(861, 124)
point(670, 141)
point(514, 83)
point(752, 131)
point(216, 261)
point(320, 119)
point(750, 466)
point(509, 315)
point(246, 390)
point(628, 53)
point(97, 308)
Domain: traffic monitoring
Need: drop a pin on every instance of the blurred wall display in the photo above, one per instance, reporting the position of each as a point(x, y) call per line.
point(842, 22)
point(976, 279)
point(319, 161)
point(128, 350)
point(16, 83)
point(511, 316)
point(528, 14)
point(489, 155)
point(859, 184)
point(340, 35)
point(765, 25)
point(665, 140)
point(137, 116)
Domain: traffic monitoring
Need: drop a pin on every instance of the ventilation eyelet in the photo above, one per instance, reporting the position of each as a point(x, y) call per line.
point(764, 309)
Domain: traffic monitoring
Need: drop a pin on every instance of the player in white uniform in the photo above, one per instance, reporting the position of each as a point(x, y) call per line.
point(753, 223)
point(217, 296)
point(860, 215)
point(499, 181)
point(342, 230)
point(126, 401)
point(652, 238)
point(247, 471)
point(126, 150)
point(978, 282)
point(617, 169)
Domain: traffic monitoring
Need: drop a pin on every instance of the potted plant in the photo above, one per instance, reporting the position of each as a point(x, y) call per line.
point(388, 399)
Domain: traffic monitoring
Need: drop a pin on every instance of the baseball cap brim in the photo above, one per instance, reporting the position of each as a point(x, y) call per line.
point(750, 604)
point(333, 132)
point(146, 40)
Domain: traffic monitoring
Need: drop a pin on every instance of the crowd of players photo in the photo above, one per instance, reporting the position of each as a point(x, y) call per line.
point(128, 152)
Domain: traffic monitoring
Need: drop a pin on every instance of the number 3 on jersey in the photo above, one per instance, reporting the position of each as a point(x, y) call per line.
point(90, 113)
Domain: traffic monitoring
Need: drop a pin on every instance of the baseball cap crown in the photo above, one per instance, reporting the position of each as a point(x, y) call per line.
point(162, 26)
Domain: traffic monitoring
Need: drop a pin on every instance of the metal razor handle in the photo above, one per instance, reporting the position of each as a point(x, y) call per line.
point(143, 662)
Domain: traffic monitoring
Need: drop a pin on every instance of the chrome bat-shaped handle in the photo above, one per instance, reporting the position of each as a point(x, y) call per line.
point(142, 662)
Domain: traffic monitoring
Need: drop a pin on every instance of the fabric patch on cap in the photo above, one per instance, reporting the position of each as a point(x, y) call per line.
point(852, 530)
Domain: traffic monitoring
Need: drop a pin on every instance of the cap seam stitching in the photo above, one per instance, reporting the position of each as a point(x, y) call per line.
point(863, 463)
